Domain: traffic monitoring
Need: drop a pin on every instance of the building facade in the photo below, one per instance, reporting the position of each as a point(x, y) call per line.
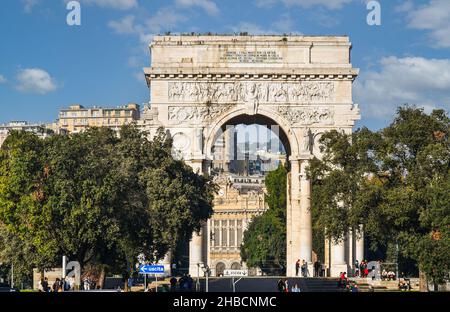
point(41, 130)
point(77, 118)
point(200, 85)
point(239, 199)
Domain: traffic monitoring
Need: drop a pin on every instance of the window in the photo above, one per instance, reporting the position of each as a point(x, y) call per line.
point(232, 233)
point(239, 233)
point(216, 233)
point(224, 233)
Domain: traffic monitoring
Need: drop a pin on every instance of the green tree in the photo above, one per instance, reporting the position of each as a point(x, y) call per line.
point(264, 243)
point(98, 198)
point(394, 182)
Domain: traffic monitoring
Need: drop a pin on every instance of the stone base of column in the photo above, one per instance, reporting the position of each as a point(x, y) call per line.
point(336, 269)
point(195, 271)
point(167, 269)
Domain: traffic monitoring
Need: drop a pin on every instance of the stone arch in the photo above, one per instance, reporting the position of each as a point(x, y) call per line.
point(220, 268)
point(236, 266)
point(239, 115)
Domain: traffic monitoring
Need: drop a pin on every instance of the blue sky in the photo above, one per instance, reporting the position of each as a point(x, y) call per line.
point(46, 65)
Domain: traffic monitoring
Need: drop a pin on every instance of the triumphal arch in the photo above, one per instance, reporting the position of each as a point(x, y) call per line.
point(199, 85)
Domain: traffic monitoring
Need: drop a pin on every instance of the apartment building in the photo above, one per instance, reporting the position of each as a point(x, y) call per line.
point(77, 118)
point(41, 130)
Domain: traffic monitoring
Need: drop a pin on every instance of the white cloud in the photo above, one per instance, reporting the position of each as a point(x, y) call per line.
point(329, 4)
point(409, 80)
point(265, 3)
point(166, 19)
point(209, 6)
point(114, 4)
point(2, 79)
point(139, 76)
point(433, 17)
point(35, 80)
point(125, 26)
point(284, 25)
point(163, 20)
point(29, 5)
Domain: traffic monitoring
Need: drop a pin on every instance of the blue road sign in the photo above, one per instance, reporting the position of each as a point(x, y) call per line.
point(151, 269)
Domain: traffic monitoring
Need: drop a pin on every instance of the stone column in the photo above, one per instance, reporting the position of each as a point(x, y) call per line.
point(359, 242)
point(350, 244)
point(305, 215)
point(338, 263)
point(293, 209)
point(196, 244)
point(229, 147)
point(195, 254)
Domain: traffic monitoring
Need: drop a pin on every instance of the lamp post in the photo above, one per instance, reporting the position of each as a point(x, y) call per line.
point(12, 275)
point(197, 285)
point(206, 271)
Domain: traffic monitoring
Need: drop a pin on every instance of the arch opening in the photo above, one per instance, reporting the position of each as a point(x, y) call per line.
point(249, 145)
point(244, 149)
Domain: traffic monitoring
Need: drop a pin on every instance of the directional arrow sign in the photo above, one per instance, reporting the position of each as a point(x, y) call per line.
point(235, 273)
point(151, 269)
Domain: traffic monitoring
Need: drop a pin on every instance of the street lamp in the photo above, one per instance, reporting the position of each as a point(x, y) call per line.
point(197, 285)
point(206, 271)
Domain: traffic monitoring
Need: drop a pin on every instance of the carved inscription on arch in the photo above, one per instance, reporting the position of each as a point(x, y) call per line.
point(262, 92)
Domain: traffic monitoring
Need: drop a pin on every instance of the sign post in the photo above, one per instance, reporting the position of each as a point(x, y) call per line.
point(64, 271)
point(151, 269)
point(233, 274)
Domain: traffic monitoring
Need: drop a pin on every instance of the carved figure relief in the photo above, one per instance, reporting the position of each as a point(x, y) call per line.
point(196, 114)
point(306, 146)
point(307, 115)
point(262, 92)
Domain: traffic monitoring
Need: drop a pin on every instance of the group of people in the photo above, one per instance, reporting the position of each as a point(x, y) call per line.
point(88, 284)
point(404, 284)
point(361, 268)
point(345, 283)
point(59, 285)
point(184, 283)
point(302, 267)
point(283, 286)
point(343, 280)
point(388, 276)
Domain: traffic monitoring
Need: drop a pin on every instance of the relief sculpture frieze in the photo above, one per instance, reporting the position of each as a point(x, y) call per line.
point(252, 91)
point(298, 116)
point(196, 114)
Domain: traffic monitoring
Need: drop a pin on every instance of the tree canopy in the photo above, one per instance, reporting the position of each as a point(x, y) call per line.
point(97, 198)
point(395, 182)
point(264, 243)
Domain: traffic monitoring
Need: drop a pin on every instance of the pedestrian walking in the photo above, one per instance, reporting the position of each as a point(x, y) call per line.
point(297, 267)
point(317, 267)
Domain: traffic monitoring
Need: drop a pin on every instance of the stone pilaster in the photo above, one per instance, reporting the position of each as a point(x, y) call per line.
point(305, 215)
point(293, 218)
point(359, 242)
point(338, 263)
point(195, 254)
